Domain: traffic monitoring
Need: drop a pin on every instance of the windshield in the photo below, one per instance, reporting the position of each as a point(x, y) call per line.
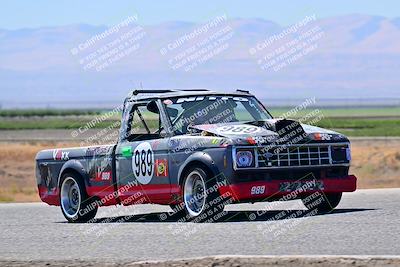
point(198, 110)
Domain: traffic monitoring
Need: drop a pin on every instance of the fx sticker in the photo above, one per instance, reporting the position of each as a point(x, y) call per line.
point(58, 154)
point(143, 163)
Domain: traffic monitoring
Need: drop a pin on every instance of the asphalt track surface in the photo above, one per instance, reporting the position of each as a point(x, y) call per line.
point(367, 222)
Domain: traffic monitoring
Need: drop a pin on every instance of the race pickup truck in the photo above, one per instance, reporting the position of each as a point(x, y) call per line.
point(196, 151)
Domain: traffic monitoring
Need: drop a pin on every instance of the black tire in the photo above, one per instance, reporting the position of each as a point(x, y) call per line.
point(325, 202)
point(210, 209)
point(75, 204)
point(179, 212)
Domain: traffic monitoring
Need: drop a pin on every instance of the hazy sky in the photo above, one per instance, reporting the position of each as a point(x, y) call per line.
point(16, 14)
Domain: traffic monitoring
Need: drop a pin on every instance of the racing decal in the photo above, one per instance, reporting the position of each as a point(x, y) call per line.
point(261, 139)
point(211, 98)
point(251, 140)
point(103, 176)
point(99, 160)
point(58, 154)
point(322, 136)
point(257, 190)
point(238, 129)
point(126, 151)
point(215, 141)
point(98, 150)
point(161, 167)
point(190, 99)
point(143, 163)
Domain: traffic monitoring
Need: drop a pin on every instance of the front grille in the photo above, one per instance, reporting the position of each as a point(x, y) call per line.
point(300, 155)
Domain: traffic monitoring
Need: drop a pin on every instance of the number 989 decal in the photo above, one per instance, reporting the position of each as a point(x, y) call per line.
point(143, 163)
point(258, 190)
point(238, 129)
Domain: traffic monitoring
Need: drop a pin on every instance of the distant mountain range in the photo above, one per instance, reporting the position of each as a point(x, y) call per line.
point(354, 56)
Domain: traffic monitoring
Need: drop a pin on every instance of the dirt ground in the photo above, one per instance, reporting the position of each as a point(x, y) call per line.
point(376, 163)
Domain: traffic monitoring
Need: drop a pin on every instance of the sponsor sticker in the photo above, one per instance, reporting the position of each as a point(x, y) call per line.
point(103, 176)
point(211, 98)
point(127, 151)
point(251, 140)
point(161, 167)
point(322, 136)
point(58, 154)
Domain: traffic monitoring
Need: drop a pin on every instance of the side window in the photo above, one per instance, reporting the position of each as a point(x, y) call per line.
point(144, 122)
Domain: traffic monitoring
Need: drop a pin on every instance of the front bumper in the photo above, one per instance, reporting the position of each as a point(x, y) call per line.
point(242, 192)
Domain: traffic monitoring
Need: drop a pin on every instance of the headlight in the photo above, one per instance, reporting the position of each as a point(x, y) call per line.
point(245, 158)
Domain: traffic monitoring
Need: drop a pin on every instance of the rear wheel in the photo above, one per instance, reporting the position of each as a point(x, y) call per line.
point(201, 200)
point(75, 204)
point(325, 202)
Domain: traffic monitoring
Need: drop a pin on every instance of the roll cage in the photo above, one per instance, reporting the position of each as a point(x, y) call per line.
point(152, 99)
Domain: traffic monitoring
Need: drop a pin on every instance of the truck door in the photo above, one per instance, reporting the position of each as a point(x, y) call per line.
point(142, 161)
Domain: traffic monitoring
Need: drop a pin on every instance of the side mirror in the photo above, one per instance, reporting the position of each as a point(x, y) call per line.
point(152, 107)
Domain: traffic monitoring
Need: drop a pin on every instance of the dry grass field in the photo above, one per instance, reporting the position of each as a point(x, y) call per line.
point(376, 163)
point(17, 170)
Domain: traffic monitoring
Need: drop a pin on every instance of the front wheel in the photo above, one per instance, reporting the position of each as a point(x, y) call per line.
point(201, 199)
point(323, 203)
point(76, 206)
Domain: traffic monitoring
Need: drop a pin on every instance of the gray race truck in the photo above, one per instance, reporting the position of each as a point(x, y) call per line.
point(196, 151)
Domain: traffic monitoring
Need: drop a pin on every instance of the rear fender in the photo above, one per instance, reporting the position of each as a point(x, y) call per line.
point(74, 165)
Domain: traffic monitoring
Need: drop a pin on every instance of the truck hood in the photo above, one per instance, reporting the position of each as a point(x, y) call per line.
point(268, 133)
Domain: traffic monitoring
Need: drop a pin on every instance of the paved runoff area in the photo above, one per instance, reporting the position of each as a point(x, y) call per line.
point(366, 225)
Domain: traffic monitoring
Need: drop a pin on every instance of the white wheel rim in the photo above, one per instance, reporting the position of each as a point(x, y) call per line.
point(70, 197)
point(194, 193)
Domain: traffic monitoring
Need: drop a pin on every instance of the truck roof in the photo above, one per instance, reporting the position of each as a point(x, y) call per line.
point(168, 93)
